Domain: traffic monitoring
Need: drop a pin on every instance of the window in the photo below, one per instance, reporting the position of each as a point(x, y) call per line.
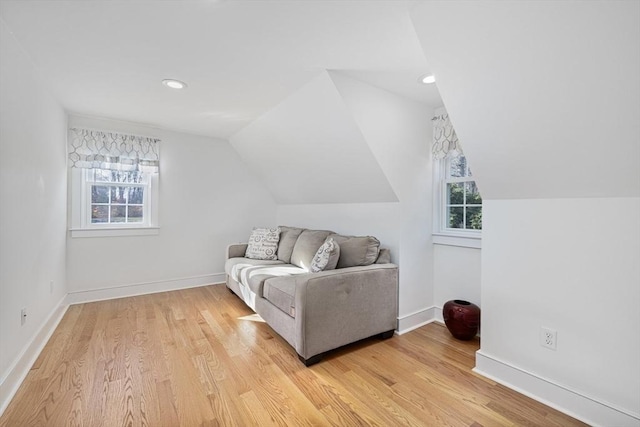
point(117, 197)
point(462, 203)
point(113, 203)
point(114, 184)
point(457, 203)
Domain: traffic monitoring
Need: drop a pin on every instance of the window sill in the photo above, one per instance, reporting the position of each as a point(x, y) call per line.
point(114, 232)
point(464, 241)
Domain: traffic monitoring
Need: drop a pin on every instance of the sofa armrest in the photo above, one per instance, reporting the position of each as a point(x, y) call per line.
point(338, 307)
point(236, 250)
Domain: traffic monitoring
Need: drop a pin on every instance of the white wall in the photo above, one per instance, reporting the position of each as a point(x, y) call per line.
point(545, 98)
point(571, 265)
point(308, 149)
point(208, 199)
point(361, 219)
point(456, 275)
point(33, 209)
point(456, 269)
point(399, 133)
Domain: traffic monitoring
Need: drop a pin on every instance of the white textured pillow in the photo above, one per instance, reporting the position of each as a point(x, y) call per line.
point(327, 256)
point(263, 243)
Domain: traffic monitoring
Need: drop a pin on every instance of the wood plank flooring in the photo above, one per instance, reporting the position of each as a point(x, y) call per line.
point(200, 357)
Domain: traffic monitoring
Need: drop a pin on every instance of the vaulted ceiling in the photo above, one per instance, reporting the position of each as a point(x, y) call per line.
point(545, 96)
point(239, 58)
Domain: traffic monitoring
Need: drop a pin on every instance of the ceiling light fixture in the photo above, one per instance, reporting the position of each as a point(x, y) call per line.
point(174, 84)
point(427, 79)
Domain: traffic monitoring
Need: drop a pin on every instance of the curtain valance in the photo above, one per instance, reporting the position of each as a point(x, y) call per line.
point(445, 140)
point(93, 149)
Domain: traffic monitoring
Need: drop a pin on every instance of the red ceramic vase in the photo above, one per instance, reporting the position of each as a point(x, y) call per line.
point(462, 318)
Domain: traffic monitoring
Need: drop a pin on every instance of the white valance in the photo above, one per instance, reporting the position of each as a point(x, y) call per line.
point(445, 140)
point(93, 149)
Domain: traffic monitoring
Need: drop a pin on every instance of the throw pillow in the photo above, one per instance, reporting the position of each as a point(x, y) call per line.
point(327, 256)
point(263, 243)
point(357, 250)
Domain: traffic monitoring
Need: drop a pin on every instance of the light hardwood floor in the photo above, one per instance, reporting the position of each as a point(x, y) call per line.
point(199, 357)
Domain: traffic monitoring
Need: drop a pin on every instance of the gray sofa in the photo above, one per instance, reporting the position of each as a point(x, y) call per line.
point(318, 312)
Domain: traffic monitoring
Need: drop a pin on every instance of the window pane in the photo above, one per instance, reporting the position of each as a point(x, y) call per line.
point(455, 193)
point(118, 213)
point(135, 214)
point(455, 217)
point(119, 194)
point(474, 218)
point(136, 195)
point(99, 194)
point(99, 214)
point(473, 195)
point(457, 166)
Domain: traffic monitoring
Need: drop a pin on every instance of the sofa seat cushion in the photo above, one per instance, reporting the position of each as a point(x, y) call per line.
point(282, 294)
point(254, 277)
point(306, 247)
point(233, 266)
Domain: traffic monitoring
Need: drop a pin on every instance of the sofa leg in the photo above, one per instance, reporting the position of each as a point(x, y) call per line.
point(387, 334)
point(312, 360)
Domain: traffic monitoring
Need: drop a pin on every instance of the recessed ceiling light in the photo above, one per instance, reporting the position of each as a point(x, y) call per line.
point(174, 84)
point(427, 79)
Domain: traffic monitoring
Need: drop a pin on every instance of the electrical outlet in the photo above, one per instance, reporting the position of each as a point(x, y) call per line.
point(23, 316)
point(548, 338)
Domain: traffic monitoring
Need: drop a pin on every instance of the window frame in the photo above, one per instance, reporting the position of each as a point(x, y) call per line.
point(442, 234)
point(80, 219)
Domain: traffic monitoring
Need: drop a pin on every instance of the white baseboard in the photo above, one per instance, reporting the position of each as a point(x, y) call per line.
point(571, 402)
point(414, 320)
point(135, 289)
point(18, 371)
point(437, 314)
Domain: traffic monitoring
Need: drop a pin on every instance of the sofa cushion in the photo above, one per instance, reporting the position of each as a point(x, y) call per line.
point(233, 266)
point(306, 247)
point(288, 237)
point(357, 250)
point(282, 294)
point(384, 257)
point(327, 256)
point(263, 243)
point(254, 277)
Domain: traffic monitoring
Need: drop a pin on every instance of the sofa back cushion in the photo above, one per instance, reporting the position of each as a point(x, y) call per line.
point(288, 238)
point(357, 250)
point(306, 247)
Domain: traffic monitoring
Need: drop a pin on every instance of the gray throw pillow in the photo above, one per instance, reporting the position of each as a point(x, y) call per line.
point(327, 256)
point(357, 250)
point(384, 256)
point(263, 243)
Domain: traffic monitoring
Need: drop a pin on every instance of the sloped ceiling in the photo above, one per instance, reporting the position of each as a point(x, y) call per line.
point(544, 96)
point(308, 149)
point(240, 58)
